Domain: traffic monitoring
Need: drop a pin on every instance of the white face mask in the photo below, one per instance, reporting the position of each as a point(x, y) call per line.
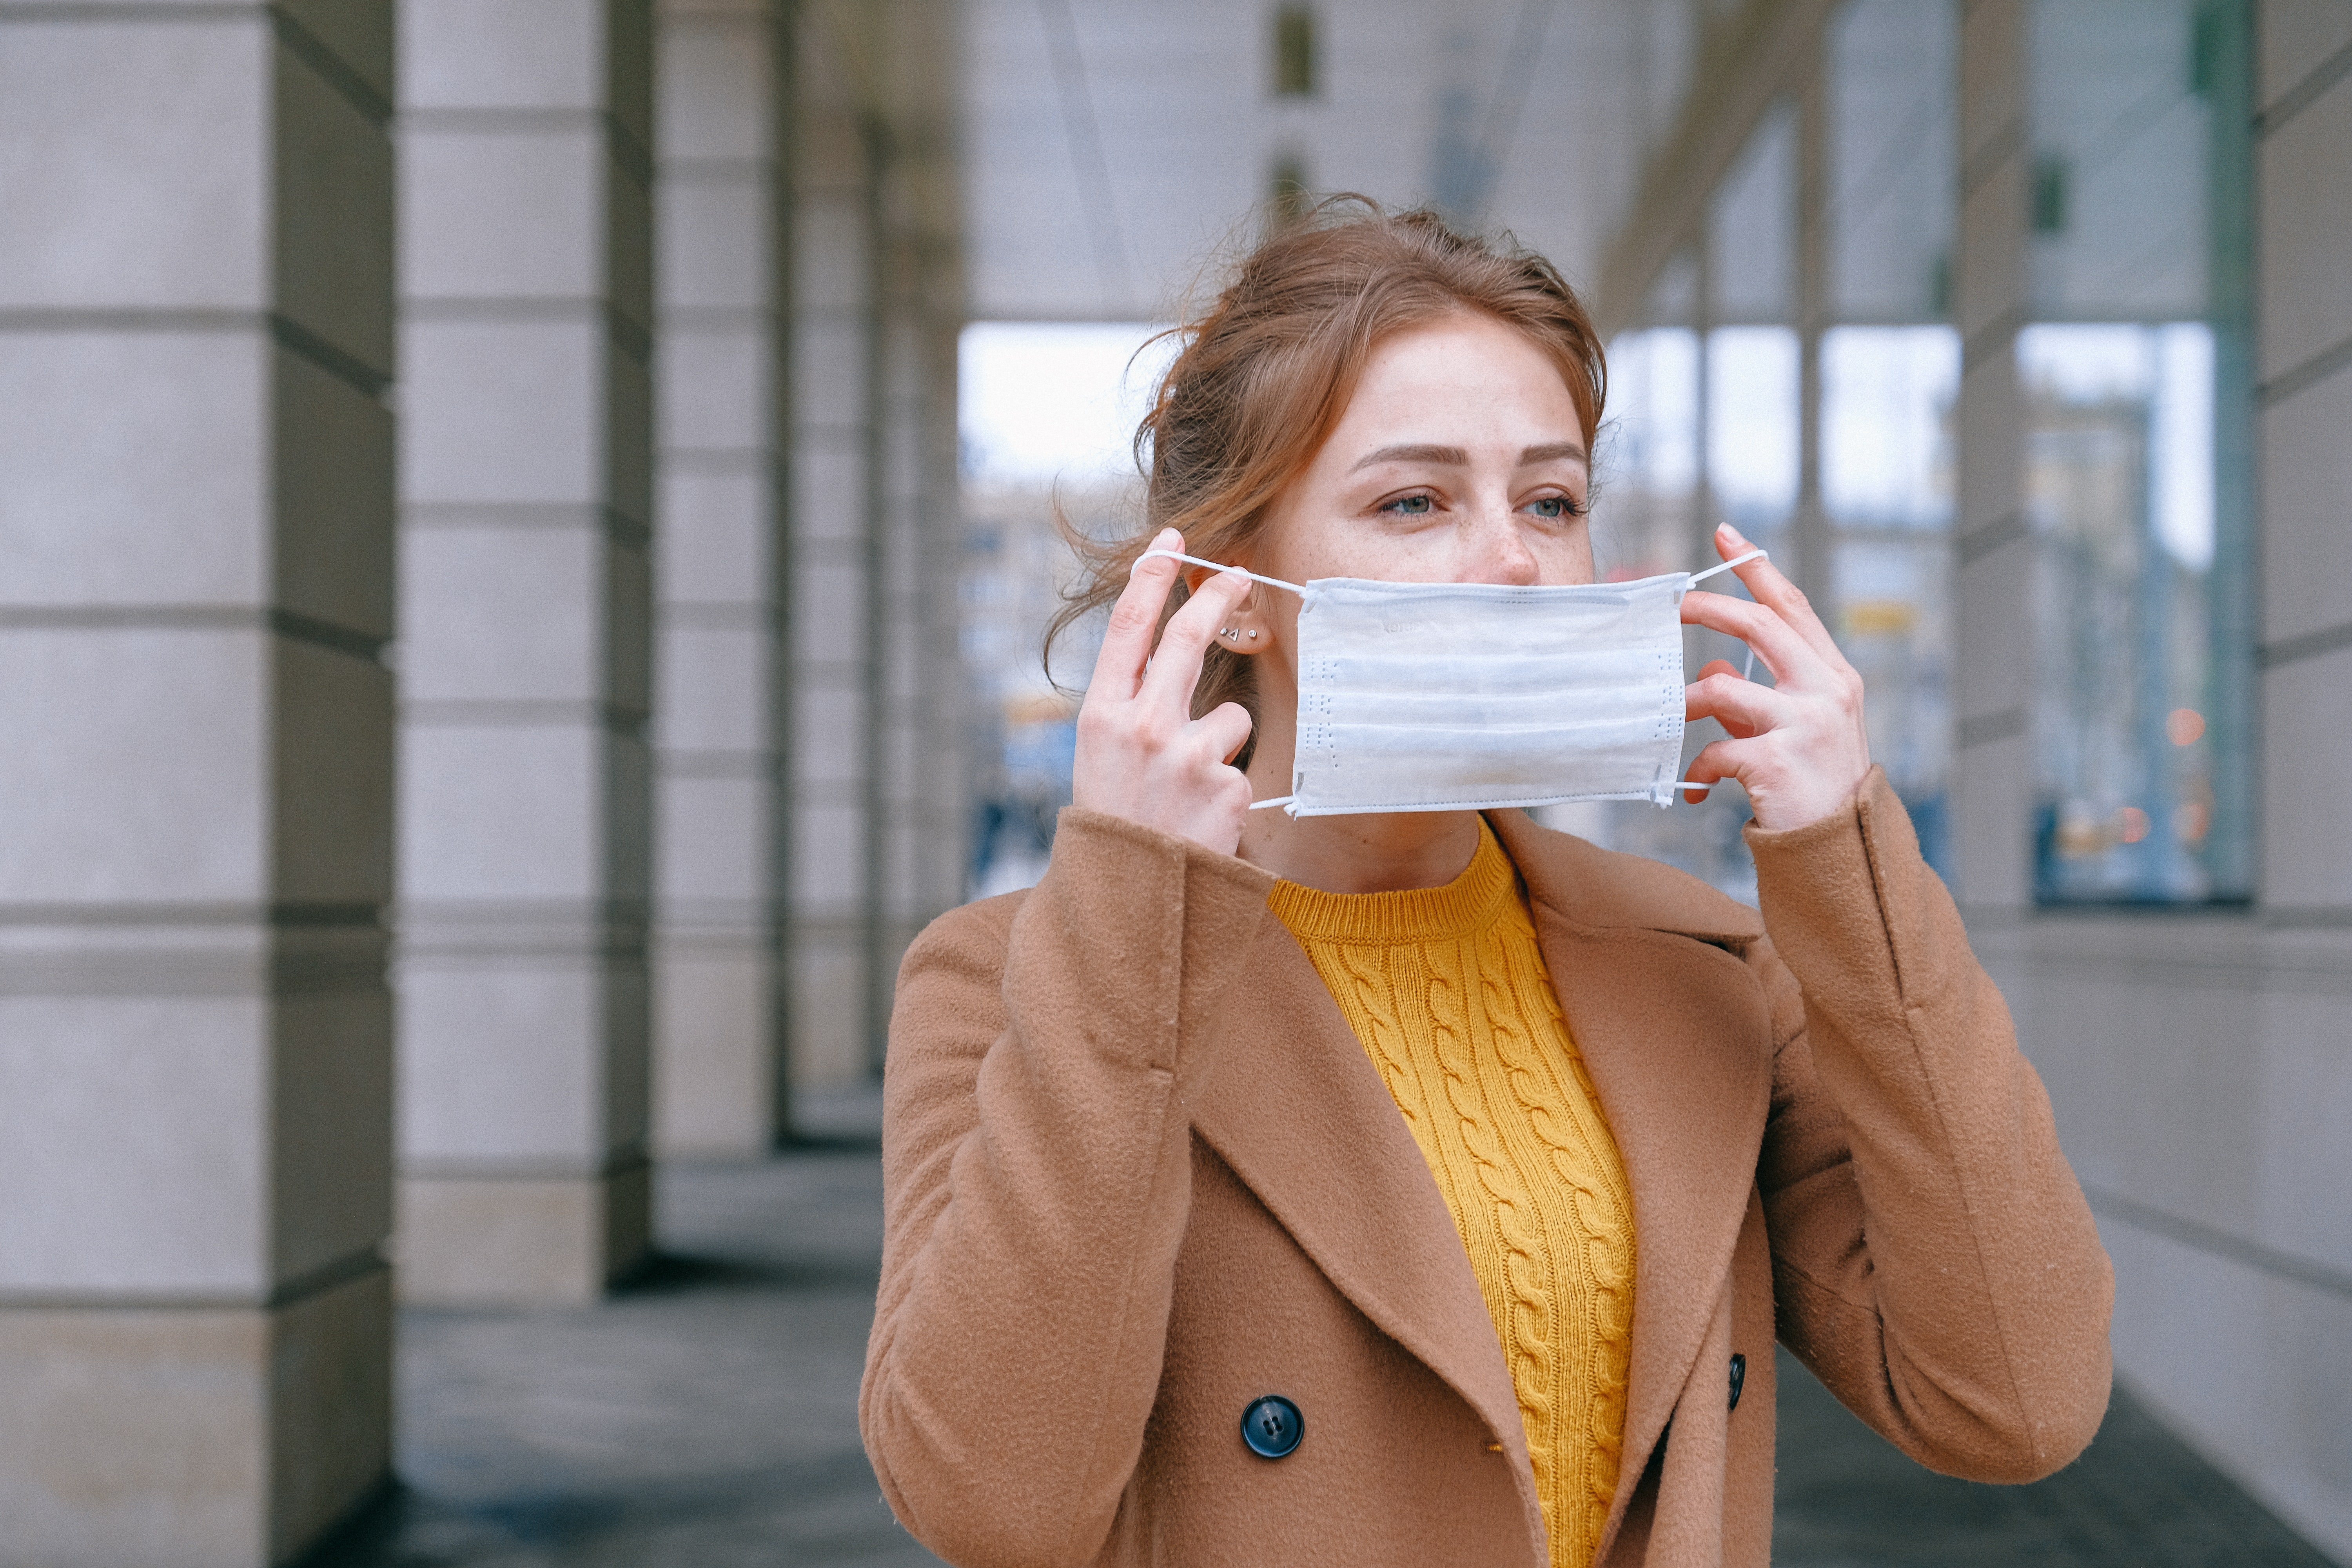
point(1463, 696)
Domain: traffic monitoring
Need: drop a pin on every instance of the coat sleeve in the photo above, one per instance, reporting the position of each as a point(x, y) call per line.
point(1036, 1179)
point(1934, 1261)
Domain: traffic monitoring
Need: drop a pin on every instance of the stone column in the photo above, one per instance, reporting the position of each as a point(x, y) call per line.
point(525, 528)
point(925, 700)
point(2302, 377)
point(722, 210)
point(834, 500)
point(195, 574)
point(1992, 784)
point(881, 704)
point(1816, 573)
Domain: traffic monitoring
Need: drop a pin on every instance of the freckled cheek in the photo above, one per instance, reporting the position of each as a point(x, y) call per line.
point(1566, 561)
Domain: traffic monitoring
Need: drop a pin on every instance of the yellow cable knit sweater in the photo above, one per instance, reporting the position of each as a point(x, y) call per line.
point(1447, 991)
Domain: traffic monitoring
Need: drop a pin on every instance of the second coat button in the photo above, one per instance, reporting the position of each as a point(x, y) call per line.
point(1271, 1427)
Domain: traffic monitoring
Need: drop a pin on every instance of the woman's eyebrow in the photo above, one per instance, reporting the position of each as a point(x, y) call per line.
point(1456, 457)
point(1413, 452)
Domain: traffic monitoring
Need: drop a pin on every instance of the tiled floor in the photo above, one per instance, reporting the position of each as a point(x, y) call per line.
point(2138, 1499)
point(707, 1417)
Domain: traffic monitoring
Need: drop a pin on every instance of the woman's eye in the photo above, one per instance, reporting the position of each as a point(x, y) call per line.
point(1555, 507)
point(1409, 506)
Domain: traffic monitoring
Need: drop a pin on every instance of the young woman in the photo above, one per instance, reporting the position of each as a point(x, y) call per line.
point(1427, 1186)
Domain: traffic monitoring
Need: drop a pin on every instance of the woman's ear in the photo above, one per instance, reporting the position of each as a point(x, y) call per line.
point(1245, 631)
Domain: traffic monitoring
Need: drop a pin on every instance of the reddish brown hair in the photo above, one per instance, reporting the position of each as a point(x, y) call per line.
point(1265, 374)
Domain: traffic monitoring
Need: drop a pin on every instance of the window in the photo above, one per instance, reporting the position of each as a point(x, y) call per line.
point(1699, 433)
point(2133, 379)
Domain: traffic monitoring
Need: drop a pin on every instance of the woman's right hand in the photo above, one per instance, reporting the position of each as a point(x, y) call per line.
point(1141, 755)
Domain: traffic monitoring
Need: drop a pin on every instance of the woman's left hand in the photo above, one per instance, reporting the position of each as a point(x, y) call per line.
point(1798, 746)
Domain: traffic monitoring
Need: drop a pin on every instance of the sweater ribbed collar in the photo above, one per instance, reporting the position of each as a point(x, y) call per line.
point(1463, 907)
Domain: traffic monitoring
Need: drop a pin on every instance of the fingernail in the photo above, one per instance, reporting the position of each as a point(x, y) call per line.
point(1737, 536)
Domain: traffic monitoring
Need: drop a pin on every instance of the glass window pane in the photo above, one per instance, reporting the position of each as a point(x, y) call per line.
point(2134, 384)
point(1752, 428)
point(1888, 396)
point(1886, 441)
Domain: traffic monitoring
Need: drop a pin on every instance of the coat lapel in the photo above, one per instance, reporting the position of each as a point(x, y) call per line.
point(1676, 1036)
point(1311, 1130)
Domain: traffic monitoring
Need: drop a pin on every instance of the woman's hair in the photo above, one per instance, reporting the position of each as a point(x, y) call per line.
point(1264, 376)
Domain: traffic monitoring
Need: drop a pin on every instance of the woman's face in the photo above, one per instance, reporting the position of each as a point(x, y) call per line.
point(1459, 459)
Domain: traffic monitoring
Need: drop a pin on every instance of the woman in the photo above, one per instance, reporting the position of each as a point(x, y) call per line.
point(1427, 1186)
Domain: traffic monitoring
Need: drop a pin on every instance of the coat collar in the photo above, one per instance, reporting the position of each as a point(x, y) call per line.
point(1674, 1034)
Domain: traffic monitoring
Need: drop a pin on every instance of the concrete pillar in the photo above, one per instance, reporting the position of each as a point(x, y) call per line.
point(525, 531)
point(195, 522)
point(1816, 572)
point(722, 217)
point(881, 704)
point(1992, 785)
point(925, 699)
point(2303, 375)
point(835, 502)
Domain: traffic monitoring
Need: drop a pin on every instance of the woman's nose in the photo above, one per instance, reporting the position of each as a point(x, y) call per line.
point(1497, 552)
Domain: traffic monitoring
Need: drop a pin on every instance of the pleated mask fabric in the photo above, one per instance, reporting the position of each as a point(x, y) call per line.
point(1470, 696)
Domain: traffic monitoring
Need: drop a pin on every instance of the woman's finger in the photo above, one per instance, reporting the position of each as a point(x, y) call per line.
point(1126, 641)
point(1176, 663)
point(1227, 728)
point(1720, 760)
point(1713, 666)
point(1783, 651)
point(1740, 706)
point(1772, 588)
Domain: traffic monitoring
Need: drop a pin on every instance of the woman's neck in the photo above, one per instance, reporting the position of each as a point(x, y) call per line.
point(1373, 853)
point(1385, 852)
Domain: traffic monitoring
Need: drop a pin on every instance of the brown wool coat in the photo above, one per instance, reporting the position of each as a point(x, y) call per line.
point(1138, 1172)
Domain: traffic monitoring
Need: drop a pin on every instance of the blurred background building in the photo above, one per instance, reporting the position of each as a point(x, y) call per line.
point(525, 530)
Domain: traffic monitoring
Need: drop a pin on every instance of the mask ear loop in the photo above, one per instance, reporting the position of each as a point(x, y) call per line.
point(1746, 674)
point(1289, 803)
point(1213, 567)
point(1735, 561)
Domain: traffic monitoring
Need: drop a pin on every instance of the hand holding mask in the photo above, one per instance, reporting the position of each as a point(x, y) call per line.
point(1469, 696)
point(1798, 746)
point(1140, 753)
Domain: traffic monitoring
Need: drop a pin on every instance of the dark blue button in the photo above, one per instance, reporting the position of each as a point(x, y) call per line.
point(1739, 1377)
point(1271, 1427)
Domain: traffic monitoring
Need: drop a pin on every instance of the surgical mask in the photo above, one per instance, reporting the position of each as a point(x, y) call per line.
point(1466, 696)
